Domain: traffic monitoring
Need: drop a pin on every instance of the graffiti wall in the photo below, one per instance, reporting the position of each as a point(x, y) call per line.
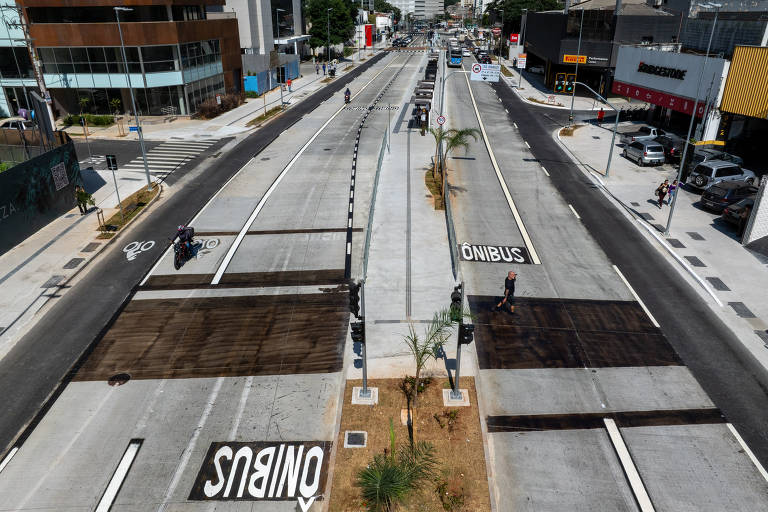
point(35, 192)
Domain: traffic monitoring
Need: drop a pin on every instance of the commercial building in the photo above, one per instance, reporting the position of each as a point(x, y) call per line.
point(552, 38)
point(176, 57)
point(17, 75)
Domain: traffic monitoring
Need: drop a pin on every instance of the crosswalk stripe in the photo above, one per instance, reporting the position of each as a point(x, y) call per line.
point(159, 166)
point(184, 144)
point(174, 153)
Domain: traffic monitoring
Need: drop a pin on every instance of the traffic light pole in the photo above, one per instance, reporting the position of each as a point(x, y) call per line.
point(578, 56)
point(365, 392)
point(456, 392)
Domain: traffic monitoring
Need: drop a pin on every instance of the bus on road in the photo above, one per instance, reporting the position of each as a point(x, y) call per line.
point(453, 56)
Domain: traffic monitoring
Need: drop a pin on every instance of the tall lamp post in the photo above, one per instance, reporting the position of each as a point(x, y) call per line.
point(519, 70)
point(133, 100)
point(328, 41)
point(578, 56)
point(693, 114)
point(277, 22)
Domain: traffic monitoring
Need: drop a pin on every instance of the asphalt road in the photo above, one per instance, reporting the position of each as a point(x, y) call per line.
point(36, 371)
point(700, 338)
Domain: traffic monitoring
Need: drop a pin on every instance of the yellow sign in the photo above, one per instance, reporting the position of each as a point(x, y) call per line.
point(710, 142)
point(571, 59)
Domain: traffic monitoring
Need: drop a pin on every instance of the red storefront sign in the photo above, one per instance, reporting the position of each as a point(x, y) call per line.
point(369, 35)
point(513, 38)
point(663, 99)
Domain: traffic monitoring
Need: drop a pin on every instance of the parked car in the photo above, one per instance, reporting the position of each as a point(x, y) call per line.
point(673, 147)
point(16, 123)
point(720, 195)
point(644, 133)
point(732, 214)
point(706, 155)
point(716, 171)
point(645, 152)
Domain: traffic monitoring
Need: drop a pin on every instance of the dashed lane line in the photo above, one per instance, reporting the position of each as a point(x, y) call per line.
point(637, 297)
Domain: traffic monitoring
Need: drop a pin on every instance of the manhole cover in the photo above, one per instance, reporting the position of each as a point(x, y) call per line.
point(265, 159)
point(355, 439)
point(595, 137)
point(327, 149)
point(118, 379)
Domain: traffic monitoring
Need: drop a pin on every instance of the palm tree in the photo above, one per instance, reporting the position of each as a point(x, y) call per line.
point(428, 347)
point(454, 139)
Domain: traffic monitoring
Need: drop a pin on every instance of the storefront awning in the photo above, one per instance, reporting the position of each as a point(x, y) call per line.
point(663, 99)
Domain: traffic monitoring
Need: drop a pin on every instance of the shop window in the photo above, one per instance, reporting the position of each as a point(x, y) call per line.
point(15, 63)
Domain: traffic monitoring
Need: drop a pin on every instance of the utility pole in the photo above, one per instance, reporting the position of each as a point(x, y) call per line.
point(578, 56)
point(520, 70)
point(277, 22)
point(328, 41)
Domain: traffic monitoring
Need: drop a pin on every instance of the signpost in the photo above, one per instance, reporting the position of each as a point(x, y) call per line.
point(521, 58)
point(441, 120)
point(112, 166)
point(485, 72)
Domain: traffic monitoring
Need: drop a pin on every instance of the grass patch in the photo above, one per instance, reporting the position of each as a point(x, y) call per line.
point(348, 67)
point(505, 71)
point(105, 236)
point(263, 117)
point(132, 205)
point(542, 102)
point(326, 80)
point(434, 189)
point(568, 130)
point(462, 482)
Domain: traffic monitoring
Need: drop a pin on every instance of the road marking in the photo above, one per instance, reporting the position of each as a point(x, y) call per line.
point(527, 145)
point(744, 447)
point(574, 211)
point(507, 111)
point(637, 298)
point(8, 458)
point(545, 171)
point(108, 498)
point(504, 188)
point(238, 240)
point(349, 248)
point(514, 124)
point(641, 495)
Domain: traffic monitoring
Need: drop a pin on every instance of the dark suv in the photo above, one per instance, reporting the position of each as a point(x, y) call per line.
point(723, 194)
point(673, 147)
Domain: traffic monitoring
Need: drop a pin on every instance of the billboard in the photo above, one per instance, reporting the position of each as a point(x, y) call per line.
point(369, 35)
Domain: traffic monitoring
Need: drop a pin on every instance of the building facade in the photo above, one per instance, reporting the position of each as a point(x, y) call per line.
point(175, 58)
point(17, 75)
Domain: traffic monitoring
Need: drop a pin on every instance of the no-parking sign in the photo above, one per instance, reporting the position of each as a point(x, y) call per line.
point(485, 72)
point(441, 120)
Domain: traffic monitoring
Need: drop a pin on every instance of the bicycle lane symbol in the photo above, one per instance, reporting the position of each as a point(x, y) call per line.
point(133, 249)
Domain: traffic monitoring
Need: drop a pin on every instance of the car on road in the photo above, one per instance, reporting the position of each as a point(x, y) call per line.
point(645, 152)
point(465, 53)
point(720, 195)
point(716, 171)
point(673, 147)
point(732, 214)
point(485, 59)
point(644, 133)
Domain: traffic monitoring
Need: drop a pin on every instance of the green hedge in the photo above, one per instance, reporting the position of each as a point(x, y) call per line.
point(92, 120)
point(252, 94)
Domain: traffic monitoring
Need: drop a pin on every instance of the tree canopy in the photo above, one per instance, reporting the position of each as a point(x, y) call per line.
point(384, 6)
point(342, 21)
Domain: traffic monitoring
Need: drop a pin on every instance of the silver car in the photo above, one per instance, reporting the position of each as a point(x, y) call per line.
point(716, 171)
point(645, 152)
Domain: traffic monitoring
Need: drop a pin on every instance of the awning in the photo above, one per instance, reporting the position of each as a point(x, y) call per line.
point(291, 40)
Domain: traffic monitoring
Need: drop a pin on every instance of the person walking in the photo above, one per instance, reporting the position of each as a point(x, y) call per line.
point(289, 83)
point(509, 292)
point(323, 68)
point(600, 116)
point(661, 192)
point(423, 121)
point(317, 68)
point(672, 191)
point(83, 198)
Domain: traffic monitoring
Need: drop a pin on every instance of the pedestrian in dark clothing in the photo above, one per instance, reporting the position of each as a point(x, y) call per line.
point(82, 198)
point(323, 68)
point(509, 292)
point(317, 68)
point(662, 191)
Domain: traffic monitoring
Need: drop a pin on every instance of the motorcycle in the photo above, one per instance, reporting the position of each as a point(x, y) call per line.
point(181, 253)
point(346, 98)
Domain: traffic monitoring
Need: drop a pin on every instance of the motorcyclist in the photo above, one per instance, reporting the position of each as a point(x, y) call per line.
point(347, 95)
point(186, 235)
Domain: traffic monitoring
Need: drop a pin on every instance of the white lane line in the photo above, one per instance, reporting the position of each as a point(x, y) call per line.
point(514, 124)
point(108, 498)
point(241, 407)
point(349, 248)
point(637, 298)
point(641, 495)
point(507, 111)
point(8, 458)
point(527, 145)
point(240, 236)
point(545, 171)
point(574, 211)
point(192, 442)
point(504, 188)
point(749, 453)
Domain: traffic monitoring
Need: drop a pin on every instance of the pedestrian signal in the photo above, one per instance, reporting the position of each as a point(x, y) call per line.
point(466, 334)
point(354, 299)
point(570, 83)
point(358, 332)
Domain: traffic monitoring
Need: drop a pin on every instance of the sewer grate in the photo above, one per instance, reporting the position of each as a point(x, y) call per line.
point(91, 247)
point(73, 263)
point(355, 439)
point(696, 262)
point(265, 159)
point(118, 379)
point(69, 216)
point(659, 227)
point(646, 216)
point(677, 244)
point(634, 203)
point(741, 309)
point(53, 281)
point(695, 235)
point(596, 137)
point(763, 336)
point(717, 284)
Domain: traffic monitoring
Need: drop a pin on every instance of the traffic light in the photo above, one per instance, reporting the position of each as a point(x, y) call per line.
point(560, 82)
point(358, 332)
point(456, 306)
point(466, 333)
point(354, 299)
point(570, 83)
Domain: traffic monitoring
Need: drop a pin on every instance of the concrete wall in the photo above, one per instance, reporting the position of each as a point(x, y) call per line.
point(757, 227)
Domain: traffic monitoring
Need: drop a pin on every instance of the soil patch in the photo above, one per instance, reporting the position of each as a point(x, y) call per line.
point(434, 189)
point(456, 436)
point(132, 206)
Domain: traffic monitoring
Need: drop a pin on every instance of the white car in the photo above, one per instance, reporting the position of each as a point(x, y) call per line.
point(16, 123)
point(465, 53)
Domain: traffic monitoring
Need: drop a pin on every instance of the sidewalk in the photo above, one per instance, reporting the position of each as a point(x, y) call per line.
point(732, 278)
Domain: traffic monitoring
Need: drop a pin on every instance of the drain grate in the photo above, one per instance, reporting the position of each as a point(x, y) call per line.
point(742, 310)
point(265, 159)
point(634, 203)
point(53, 281)
point(73, 263)
point(677, 244)
point(118, 379)
point(647, 216)
point(695, 235)
point(91, 247)
point(717, 284)
point(355, 439)
point(696, 262)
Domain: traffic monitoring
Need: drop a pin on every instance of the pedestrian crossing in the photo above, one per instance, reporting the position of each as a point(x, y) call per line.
point(165, 158)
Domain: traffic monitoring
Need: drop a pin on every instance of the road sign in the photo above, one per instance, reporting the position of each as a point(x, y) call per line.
point(496, 31)
point(133, 128)
point(441, 120)
point(514, 38)
point(521, 59)
point(112, 162)
point(485, 72)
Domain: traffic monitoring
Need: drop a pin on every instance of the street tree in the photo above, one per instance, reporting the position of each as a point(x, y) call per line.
point(342, 21)
point(430, 346)
point(452, 139)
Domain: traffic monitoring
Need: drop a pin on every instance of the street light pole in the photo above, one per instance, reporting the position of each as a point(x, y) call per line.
point(133, 100)
point(693, 117)
point(520, 70)
point(277, 22)
point(328, 41)
point(578, 56)
point(615, 124)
